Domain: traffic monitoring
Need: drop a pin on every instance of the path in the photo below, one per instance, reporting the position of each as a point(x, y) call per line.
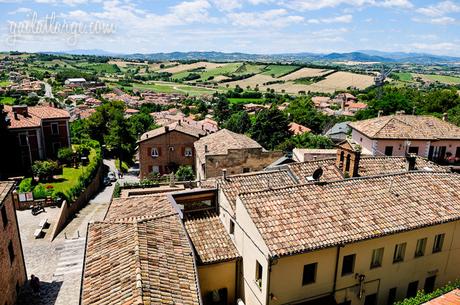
point(59, 263)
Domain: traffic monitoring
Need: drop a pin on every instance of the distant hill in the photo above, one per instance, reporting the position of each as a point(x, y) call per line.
point(361, 56)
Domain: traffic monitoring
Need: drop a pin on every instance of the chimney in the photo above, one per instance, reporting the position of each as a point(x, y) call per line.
point(20, 109)
point(444, 116)
point(166, 128)
point(411, 160)
point(206, 148)
point(380, 113)
point(224, 174)
point(180, 122)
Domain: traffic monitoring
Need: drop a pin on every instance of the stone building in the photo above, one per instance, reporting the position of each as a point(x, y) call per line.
point(164, 149)
point(12, 266)
point(231, 151)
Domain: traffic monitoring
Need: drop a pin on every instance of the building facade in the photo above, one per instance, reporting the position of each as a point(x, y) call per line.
point(163, 150)
point(397, 135)
point(12, 264)
point(36, 133)
point(236, 153)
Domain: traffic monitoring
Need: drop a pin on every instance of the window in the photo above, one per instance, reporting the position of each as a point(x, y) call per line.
point(188, 152)
point(420, 248)
point(11, 251)
point(246, 169)
point(371, 299)
point(438, 241)
point(389, 151)
point(56, 147)
point(259, 272)
point(413, 150)
point(400, 250)
point(4, 217)
point(55, 128)
point(391, 296)
point(155, 152)
point(348, 265)
point(429, 284)
point(309, 274)
point(23, 139)
point(155, 169)
point(232, 227)
point(377, 257)
point(412, 289)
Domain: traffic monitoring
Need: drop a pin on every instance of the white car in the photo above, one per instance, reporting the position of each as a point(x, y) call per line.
point(111, 176)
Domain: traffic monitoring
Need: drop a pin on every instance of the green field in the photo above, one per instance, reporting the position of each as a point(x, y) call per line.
point(99, 68)
point(404, 76)
point(279, 70)
point(242, 100)
point(205, 74)
point(174, 88)
point(249, 69)
point(442, 78)
point(7, 100)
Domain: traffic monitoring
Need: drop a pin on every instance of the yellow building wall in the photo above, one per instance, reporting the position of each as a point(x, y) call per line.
point(216, 276)
point(287, 272)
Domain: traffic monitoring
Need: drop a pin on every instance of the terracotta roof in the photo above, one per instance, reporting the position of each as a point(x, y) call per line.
point(145, 262)
point(35, 115)
point(407, 127)
point(139, 207)
point(297, 129)
point(357, 105)
point(209, 237)
point(5, 187)
point(194, 132)
point(450, 298)
point(236, 184)
point(313, 216)
point(368, 166)
point(220, 142)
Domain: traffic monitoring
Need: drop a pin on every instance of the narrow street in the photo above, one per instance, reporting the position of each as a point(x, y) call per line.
point(59, 263)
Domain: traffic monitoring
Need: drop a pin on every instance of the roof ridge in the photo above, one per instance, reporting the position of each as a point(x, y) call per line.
point(138, 264)
point(262, 172)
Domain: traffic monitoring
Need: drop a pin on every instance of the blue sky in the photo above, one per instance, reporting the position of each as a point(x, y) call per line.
point(253, 26)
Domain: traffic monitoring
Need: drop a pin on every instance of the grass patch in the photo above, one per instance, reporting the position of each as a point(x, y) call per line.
point(173, 88)
point(442, 78)
point(279, 70)
point(69, 178)
point(4, 83)
point(249, 69)
point(227, 69)
point(242, 100)
point(7, 100)
point(404, 76)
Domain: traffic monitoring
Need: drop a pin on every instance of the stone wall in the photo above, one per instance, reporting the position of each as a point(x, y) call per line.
point(238, 161)
point(13, 273)
point(70, 209)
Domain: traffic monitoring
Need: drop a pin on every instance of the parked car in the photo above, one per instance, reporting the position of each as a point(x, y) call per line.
point(111, 176)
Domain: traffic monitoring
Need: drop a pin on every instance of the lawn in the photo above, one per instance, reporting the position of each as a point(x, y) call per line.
point(404, 76)
point(442, 78)
point(242, 100)
point(279, 70)
point(69, 177)
point(7, 100)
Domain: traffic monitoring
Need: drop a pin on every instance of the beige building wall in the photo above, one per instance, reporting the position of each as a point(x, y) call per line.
point(237, 160)
point(286, 275)
point(216, 276)
point(13, 272)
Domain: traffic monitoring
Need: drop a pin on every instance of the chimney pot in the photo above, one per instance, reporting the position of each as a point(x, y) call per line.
point(380, 113)
point(206, 148)
point(224, 174)
point(444, 116)
point(411, 161)
point(166, 128)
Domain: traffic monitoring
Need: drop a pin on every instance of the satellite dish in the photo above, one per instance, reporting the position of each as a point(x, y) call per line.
point(317, 173)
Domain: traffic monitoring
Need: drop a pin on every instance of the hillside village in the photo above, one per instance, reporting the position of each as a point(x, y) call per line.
point(130, 182)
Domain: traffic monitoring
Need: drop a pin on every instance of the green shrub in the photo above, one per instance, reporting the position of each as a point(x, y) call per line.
point(44, 170)
point(26, 185)
point(185, 173)
point(83, 150)
point(117, 190)
point(65, 155)
point(423, 297)
point(40, 192)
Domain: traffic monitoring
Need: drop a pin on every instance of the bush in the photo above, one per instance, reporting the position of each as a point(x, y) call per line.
point(40, 192)
point(423, 297)
point(185, 173)
point(83, 150)
point(117, 190)
point(44, 170)
point(26, 185)
point(65, 155)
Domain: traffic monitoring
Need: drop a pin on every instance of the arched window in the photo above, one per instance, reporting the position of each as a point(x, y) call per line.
point(347, 163)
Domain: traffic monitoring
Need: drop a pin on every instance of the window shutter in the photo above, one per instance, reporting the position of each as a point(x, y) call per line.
point(183, 151)
point(149, 151)
point(159, 151)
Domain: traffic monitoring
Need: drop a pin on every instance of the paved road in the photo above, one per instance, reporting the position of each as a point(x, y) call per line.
point(59, 264)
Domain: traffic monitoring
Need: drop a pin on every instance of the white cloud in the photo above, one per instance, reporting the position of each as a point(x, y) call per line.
point(437, 21)
point(21, 10)
point(440, 9)
point(338, 19)
point(275, 18)
point(306, 5)
point(442, 46)
point(227, 5)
